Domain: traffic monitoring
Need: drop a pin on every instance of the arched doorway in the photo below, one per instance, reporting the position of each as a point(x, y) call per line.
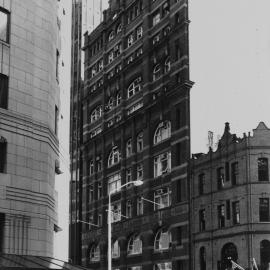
point(228, 253)
point(265, 254)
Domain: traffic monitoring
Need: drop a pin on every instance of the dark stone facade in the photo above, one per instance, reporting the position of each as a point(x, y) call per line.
point(163, 96)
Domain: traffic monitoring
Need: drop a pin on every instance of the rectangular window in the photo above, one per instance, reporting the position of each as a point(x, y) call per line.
point(91, 167)
point(264, 210)
point(234, 173)
point(3, 155)
point(139, 171)
point(139, 32)
point(263, 174)
point(99, 221)
point(162, 164)
point(221, 216)
point(56, 119)
point(202, 220)
point(114, 183)
point(129, 209)
point(134, 268)
point(90, 221)
point(128, 176)
point(162, 198)
point(201, 183)
point(164, 265)
point(3, 90)
point(99, 164)
point(228, 209)
point(156, 18)
point(116, 212)
point(91, 193)
point(139, 206)
point(4, 26)
point(99, 191)
point(236, 212)
point(220, 178)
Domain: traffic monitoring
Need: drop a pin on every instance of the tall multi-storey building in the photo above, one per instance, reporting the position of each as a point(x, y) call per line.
point(134, 124)
point(29, 111)
point(85, 16)
point(230, 202)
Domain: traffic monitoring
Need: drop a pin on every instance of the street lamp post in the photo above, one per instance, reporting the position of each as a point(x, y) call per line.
point(135, 183)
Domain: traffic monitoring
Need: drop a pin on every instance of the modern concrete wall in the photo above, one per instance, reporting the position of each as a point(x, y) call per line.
point(27, 194)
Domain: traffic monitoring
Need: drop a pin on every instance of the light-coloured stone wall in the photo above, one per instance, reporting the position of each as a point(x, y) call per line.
point(27, 195)
point(248, 234)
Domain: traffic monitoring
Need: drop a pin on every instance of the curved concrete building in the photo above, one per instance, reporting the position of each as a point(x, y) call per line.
point(29, 109)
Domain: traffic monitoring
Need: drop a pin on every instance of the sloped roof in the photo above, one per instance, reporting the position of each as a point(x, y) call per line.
point(23, 262)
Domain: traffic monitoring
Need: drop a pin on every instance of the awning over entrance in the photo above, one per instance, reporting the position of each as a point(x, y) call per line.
point(25, 262)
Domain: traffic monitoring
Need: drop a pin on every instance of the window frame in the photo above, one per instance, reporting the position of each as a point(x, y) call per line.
point(263, 173)
point(114, 183)
point(134, 87)
point(94, 253)
point(129, 148)
point(158, 164)
point(131, 245)
point(157, 240)
point(160, 196)
point(114, 157)
point(139, 142)
point(162, 132)
point(96, 114)
point(156, 72)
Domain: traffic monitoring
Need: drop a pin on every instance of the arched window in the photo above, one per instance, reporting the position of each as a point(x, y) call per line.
point(115, 249)
point(96, 114)
point(134, 87)
point(163, 239)
point(118, 99)
point(162, 132)
point(202, 258)
point(134, 245)
point(265, 254)
point(119, 28)
point(140, 142)
point(129, 148)
point(111, 35)
point(95, 253)
point(167, 65)
point(114, 156)
point(156, 72)
point(228, 253)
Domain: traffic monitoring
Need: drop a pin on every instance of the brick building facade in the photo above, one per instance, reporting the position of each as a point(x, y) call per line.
point(135, 125)
point(230, 196)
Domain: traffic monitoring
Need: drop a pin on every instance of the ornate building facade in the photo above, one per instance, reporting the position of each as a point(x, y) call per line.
point(135, 126)
point(230, 195)
point(29, 112)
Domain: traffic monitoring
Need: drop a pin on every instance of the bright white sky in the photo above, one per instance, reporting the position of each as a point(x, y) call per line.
point(230, 65)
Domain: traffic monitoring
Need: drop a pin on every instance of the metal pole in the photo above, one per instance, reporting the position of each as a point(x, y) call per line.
point(109, 234)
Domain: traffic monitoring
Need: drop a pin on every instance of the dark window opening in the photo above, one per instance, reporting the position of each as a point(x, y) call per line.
point(220, 178)
point(265, 254)
point(228, 209)
point(236, 212)
point(202, 220)
point(234, 173)
point(264, 210)
point(221, 216)
point(56, 119)
point(227, 170)
point(2, 231)
point(263, 174)
point(3, 91)
point(3, 155)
